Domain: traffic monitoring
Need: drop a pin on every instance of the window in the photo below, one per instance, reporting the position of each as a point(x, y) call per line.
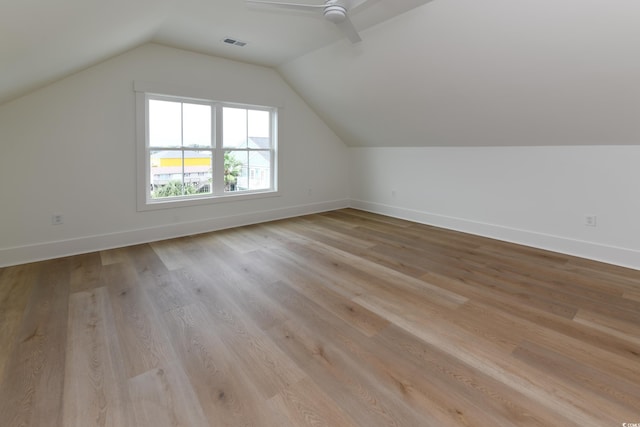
point(247, 147)
point(194, 151)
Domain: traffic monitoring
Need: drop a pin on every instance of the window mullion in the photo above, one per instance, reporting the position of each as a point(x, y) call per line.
point(218, 156)
point(182, 145)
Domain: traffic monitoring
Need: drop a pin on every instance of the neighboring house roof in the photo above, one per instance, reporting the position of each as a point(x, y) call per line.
point(259, 142)
point(174, 154)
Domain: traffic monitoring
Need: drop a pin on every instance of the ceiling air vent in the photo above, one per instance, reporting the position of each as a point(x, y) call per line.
point(229, 40)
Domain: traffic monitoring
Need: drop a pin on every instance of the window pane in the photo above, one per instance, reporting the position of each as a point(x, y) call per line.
point(259, 142)
point(176, 173)
point(166, 173)
point(165, 123)
point(259, 127)
point(259, 123)
point(235, 171)
point(259, 170)
point(234, 127)
point(196, 125)
point(198, 171)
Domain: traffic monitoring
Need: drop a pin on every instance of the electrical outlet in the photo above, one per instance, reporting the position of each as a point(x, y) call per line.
point(57, 219)
point(590, 220)
point(393, 193)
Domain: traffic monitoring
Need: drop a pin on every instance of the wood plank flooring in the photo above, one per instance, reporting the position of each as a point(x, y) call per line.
point(344, 318)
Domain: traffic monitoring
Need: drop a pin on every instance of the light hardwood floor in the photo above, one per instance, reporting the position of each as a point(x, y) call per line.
point(338, 319)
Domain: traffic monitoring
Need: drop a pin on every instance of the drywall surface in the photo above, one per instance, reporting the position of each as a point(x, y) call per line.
point(69, 148)
point(536, 196)
point(479, 73)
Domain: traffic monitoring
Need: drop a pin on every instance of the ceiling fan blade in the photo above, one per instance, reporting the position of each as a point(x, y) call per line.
point(346, 26)
point(296, 6)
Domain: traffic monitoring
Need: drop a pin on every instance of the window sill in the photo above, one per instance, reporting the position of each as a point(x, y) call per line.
point(203, 201)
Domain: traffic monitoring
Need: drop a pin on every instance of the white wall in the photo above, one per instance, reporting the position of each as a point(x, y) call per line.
point(540, 98)
point(536, 196)
point(69, 148)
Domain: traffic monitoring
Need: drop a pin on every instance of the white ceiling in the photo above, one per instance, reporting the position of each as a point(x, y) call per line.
point(483, 73)
point(44, 40)
point(446, 72)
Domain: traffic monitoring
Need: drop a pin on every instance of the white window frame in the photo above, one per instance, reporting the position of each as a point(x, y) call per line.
point(143, 164)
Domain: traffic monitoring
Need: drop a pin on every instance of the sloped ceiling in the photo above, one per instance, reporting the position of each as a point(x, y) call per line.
point(427, 73)
point(44, 40)
point(478, 73)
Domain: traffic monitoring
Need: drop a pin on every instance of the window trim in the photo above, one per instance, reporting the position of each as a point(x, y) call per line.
point(143, 165)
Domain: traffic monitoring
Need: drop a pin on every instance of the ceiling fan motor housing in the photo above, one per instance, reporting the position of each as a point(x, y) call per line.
point(335, 13)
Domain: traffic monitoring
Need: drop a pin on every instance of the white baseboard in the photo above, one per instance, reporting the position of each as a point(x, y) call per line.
point(610, 254)
point(41, 251)
point(86, 244)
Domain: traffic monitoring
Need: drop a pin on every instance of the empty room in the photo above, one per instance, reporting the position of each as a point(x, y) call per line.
point(320, 213)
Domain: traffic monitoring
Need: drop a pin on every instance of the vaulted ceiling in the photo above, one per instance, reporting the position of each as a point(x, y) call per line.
point(442, 72)
point(41, 40)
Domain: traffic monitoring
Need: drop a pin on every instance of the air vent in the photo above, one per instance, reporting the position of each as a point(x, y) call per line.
point(234, 42)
